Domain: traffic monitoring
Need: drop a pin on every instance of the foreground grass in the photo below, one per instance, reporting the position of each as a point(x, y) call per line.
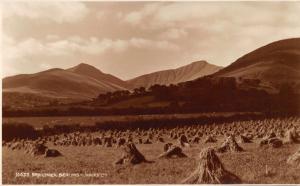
point(250, 165)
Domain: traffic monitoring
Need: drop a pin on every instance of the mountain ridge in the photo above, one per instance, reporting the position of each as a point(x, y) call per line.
point(62, 83)
point(188, 72)
point(80, 81)
point(276, 63)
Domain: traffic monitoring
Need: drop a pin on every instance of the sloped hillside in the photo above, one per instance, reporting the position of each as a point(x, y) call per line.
point(82, 82)
point(174, 76)
point(276, 63)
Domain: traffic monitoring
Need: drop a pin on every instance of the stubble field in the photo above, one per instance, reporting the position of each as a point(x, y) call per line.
point(89, 157)
point(254, 165)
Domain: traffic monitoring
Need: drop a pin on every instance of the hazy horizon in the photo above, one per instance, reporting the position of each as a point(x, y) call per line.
point(128, 39)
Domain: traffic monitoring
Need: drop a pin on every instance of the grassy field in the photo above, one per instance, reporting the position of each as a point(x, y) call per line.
point(38, 122)
point(249, 165)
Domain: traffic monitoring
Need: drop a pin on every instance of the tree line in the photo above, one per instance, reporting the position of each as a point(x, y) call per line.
point(207, 94)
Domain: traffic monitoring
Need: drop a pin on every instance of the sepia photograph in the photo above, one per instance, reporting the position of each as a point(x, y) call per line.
point(150, 92)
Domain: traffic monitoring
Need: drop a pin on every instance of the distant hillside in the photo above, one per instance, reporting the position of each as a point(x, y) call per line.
point(263, 80)
point(17, 100)
point(86, 82)
point(82, 82)
point(276, 63)
point(174, 76)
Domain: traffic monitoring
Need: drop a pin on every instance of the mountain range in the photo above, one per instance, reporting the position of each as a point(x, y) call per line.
point(85, 81)
point(274, 64)
point(81, 81)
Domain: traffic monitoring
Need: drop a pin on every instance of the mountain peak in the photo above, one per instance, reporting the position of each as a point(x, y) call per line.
point(200, 65)
point(93, 72)
point(200, 62)
point(84, 68)
point(195, 63)
point(83, 65)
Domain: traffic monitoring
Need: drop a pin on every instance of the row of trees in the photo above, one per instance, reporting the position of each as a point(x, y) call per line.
point(183, 91)
point(112, 97)
point(207, 94)
point(215, 94)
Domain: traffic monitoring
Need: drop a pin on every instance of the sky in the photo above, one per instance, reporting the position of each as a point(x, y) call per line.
point(128, 39)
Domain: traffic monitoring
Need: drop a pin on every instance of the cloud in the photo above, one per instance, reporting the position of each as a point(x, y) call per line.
point(146, 43)
point(208, 14)
point(31, 54)
point(52, 37)
point(31, 47)
point(161, 34)
point(135, 17)
point(174, 33)
point(60, 12)
point(100, 15)
point(219, 31)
